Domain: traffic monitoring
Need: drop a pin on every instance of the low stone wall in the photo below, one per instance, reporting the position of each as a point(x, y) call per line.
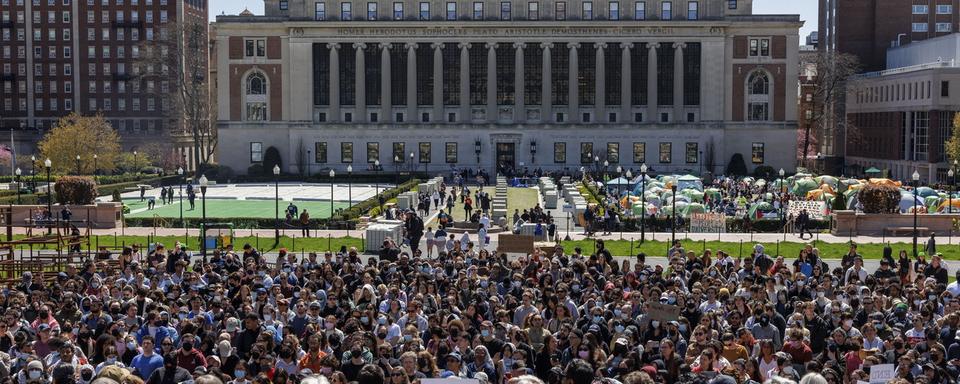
point(850, 223)
point(103, 215)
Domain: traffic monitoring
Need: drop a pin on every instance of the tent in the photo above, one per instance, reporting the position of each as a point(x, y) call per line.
point(618, 182)
point(667, 209)
point(827, 179)
point(693, 194)
point(884, 182)
point(931, 201)
point(926, 192)
point(907, 202)
point(691, 209)
point(819, 195)
point(802, 186)
point(689, 182)
point(762, 210)
point(953, 203)
point(873, 171)
point(713, 193)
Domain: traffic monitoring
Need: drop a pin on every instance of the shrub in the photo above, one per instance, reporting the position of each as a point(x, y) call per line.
point(736, 166)
point(271, 158)
point(116, 196)
point(79, 190)
point(764, 172)
point(255, 169)
point(878, 198)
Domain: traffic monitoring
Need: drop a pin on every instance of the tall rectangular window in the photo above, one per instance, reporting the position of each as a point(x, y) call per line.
point(639, 153)
point(425, 152)
point(284, 5)
point(399, 152)
point(346, 12)
point(638, 81)
point(533, 76)
point(614, 10)
point(424, 11)
point(425, 78)
point(478, 74)
point(756, 153)
point(693, 10)
point(945, 90)
point(398, 74)
point(560, 10)
point(586, 153)
point(587, 64)
point(692, 153)
point(478, 10)
point(533, 10)
point(666, 10)
point(371, 11)
point(319, 11)
point(451, 74)
point(451, 10)
point(666, 152)
point(373, 152)
point(587, 10)
point(506, 70)
point(665, 78)
point(559, 152)
point(372, 73)
point(505, 10)
point(398, 11)
point(346, 152)
point(320, 152)
point(731, 4)
point(691, 74)
point(450, 153)
point(348, 75)
point(321, 74)
point(613, 153)
point(612, 56)
point(560, 68)
point(256, 152)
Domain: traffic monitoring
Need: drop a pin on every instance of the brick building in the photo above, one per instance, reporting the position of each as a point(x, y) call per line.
point(60, 56)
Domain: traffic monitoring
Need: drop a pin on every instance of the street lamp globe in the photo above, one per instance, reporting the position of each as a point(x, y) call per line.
point(18, 172)
point(376, 164)
point(629, 175)
point(180, 171)
point(619, 169)
point(781, 172)
point(276, 169)
point(950, 173)
point(350, 169)
point(915, 176)
point(203, 181)
point(332, 173)
point(78, 157)
point(396, 159)
point(596, 159)
point(33, 158)
point(606, 163)
point(95, 156)
point(47, 163)
point(643, 168)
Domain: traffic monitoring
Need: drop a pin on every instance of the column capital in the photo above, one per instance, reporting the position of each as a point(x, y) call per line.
point(679, 45)
point(519, 45)
point(626, 45)
point(492, 45)
point(573, 45)
point(359, 45)
point(463, 45)
point(334, 46)
point(601, 45)
point(653, 45)
point(547, 45)
point(385, 45)
point(410, 46)
point(436, 45)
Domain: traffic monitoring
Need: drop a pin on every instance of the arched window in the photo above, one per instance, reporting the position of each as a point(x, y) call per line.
point(758, 96)
point(256, 97)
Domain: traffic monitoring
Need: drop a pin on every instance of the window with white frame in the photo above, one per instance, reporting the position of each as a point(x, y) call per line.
point(944, 9)
point(586, 10)
point(919, 27)
point(693, 10)
point(398, 11)
point(640, 10)
point(256, 152)
point(506, 10)
point(533, 10)
point(758, 96)
point(346, 11)
point(478, 10)
point(319, 11)
point(920, 9)
point(560, 10)
point(256, 97)
point(666, 10)
point(451, 10)
point(424, 10)
point(944, 27)
point(614, 10)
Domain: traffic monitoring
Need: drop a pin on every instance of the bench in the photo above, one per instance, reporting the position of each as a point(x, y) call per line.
point(908, 231)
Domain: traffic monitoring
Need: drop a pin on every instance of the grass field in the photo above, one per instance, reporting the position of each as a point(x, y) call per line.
point(232, 208)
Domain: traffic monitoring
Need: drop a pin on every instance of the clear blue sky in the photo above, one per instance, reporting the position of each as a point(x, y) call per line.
point(807, 9)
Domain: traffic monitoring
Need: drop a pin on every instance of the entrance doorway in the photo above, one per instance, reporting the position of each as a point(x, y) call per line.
point(506, 158)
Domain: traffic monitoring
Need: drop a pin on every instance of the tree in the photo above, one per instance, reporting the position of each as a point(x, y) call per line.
point(952, 146)
point(182, 54)
point(736, 166)
point(75, 135)
point(79, 190)
point(271, 157)
point(832, 71)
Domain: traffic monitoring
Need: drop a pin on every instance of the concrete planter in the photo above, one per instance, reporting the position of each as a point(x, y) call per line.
point(102, 215)
point(850, 223)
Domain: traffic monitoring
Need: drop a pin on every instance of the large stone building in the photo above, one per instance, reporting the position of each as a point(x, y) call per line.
point(87, 56)
point(427, 85)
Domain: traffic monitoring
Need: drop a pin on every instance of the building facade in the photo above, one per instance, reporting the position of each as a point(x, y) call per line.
point(678, 85)
point(807, 130)
point(86, 56)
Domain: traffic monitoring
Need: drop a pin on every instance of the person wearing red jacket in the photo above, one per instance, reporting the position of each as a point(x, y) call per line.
point(797, 348)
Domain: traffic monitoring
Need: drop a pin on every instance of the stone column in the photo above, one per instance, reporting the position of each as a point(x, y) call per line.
point(573, 97)
point(652, 82)
point(412, 83)
point(519, 105)
point(678, 115)
point(465, 107)
point(360, 115)
point(626, 91)
point(492, 115)
point(600, 85)
point(437, 83)
point(334, 82)
point(546, 98)
point(386, 105)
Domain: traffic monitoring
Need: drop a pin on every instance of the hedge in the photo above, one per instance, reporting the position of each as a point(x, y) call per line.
point(102, 190)
point(372, 205)
point(734, 225)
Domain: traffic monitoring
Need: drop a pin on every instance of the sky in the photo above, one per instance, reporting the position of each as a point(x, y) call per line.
point(807, 9)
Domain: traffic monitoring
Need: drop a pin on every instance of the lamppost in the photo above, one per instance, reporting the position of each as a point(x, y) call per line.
point(396, 162)
point(700, 158)
point(619, 175)
point(136, 168)
point(332, 174)
point(673, 214)
point(33, 174)
point(48, 164)
point(950, 194)
point(276, 204)
point(533, 152)
point(781, 196)
point(78, 165)
point(96, 168)
point(180, 190)
point(596, 167)
point(606, 165)
point(349, 184)
point(916, 183)
point(203, 200)
point(376, 182)
point(643, 201)
point(17, 172)
point(413, 166)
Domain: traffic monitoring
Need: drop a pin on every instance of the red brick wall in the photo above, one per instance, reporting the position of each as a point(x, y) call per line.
point(236, 47)
point(779, 50)
point(778, 74)
point(740, 47)
point(274, 79)
point(273, 47)
point(877, 135)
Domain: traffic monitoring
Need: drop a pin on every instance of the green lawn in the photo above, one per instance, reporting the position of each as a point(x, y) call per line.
point(263, 243)
point(735, 249)
point(232, 208)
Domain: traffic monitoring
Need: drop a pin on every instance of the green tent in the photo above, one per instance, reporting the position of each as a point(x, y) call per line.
point(873, 171)
point(931, 201)
point(693, 194)
point(690, 209)
point(802, 186)
point(713, 193)
point(828, 180)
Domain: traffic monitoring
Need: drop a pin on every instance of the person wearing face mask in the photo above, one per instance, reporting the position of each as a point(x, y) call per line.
point(33, 373)
point(112, 359)
point(170, 372)
point(86, 374)
point(188, 356)
point(44, 317)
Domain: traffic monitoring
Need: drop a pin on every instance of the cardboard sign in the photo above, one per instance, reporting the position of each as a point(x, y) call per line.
point(663, 312)
point(708, 223)
point(817, 210)
point(882, 373)
point(515, 244)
